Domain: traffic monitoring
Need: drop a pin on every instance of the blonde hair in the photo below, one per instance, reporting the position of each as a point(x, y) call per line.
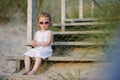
point(44, 14)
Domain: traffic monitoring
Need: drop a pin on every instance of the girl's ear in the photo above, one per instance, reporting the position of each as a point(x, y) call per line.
point(37, 22)
point(51, 23)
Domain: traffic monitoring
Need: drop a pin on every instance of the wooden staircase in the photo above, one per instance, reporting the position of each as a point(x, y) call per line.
point(81, 22)
point(63, 58)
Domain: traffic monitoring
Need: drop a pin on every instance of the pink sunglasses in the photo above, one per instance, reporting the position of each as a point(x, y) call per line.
point(47, 22)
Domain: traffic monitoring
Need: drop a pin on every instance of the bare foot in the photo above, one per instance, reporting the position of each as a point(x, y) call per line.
point(25, 73)
point(31, 73)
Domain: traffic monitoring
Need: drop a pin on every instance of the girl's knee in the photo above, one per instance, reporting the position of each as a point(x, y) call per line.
point(38, 58)
point(26, 56)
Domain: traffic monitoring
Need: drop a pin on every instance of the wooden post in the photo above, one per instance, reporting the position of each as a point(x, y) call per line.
point(80, 8)
point(92, 8)
point(30, 20)
point(63, 14)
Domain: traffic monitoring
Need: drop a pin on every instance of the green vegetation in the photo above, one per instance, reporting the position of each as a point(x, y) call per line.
point(67, 76)
point(10, 9)
point(106, 11)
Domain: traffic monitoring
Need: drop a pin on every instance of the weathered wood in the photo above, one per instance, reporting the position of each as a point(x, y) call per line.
point(64, 21)
point(75, 43)
point(15, 58)
point(17, 65)
point(83, 23)
point(81, 20)
point(55, 58)
point(78, 43)
point(18, 59)
point(80, 8)
point(29, 21)
point(80, 24)
point(73, 59)
point(92, 7)
point(81, 32)
point(63, 14)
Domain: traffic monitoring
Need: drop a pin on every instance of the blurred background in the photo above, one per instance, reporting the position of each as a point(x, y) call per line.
point(13, 24)
point(13, 20)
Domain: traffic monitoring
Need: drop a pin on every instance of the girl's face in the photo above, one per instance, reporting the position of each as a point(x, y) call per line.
point(44, 23)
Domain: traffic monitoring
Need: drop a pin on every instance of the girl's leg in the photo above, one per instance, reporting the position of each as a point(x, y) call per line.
point(36, 66)
point(27, 64)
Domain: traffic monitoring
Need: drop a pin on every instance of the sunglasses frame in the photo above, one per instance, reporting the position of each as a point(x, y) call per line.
point(47, 22)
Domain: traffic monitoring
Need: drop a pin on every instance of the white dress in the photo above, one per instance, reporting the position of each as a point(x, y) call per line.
point(41, 51)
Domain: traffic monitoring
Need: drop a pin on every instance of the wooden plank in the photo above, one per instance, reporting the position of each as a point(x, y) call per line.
point(56, 58)
point(78, 43)
point(14, 58)
point(92, 7)
point(80, 8)
point(81, 20)
point(29, 21)
point(81, 32)
point(80, 24)
point(18, 65)
point(83, 23)
point(63, 14)
point(73, 59)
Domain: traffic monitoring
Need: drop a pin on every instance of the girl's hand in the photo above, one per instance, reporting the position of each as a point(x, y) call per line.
point(34, 43)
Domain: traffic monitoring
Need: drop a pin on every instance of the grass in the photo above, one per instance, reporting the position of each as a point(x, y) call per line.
point(67, 76)
point(106, 12)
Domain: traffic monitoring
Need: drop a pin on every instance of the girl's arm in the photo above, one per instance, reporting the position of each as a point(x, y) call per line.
point(34, 41)
point(46, 43)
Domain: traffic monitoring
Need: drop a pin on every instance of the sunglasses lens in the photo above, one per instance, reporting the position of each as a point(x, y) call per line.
point(44, 22)
point(41, 23)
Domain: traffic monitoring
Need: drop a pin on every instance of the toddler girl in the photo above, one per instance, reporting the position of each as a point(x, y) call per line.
point(41, 43)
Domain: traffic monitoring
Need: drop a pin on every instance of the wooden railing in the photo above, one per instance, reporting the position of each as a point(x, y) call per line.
point(81, 14)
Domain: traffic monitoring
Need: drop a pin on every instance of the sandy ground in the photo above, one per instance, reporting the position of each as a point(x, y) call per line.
point(12, 42)
point(68, 71)
point(11, 38)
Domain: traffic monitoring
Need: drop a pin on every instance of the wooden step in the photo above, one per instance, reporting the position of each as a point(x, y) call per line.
point(81, 20)
point(74, 59)
point(74, 43)
point(80, 32)
point(18, 60)
point(55, 58)
point(79, 24)
point(78, 43)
